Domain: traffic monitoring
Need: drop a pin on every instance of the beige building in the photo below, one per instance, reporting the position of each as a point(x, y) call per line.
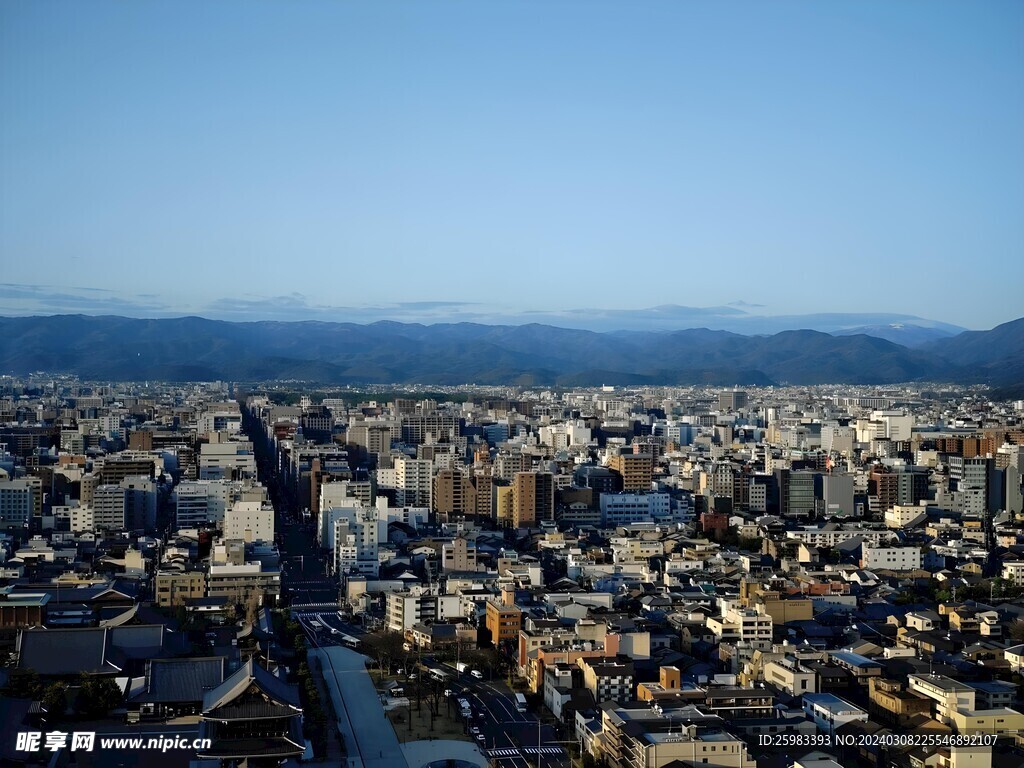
point(781, 607)
point(641, 738)
point(636, 470)
point(694, 746)
point(667, 687)
point(949, 696)
point(458, 555)
point(249, 521)
point(454, 495)
point(503, 620)
point(503, 511)
point(174, 588)
point(791, 676)
point(607, 678)
point(894, 705)
point(995, 721)
point(752, 625)
point(533, 498)
point(239, 582)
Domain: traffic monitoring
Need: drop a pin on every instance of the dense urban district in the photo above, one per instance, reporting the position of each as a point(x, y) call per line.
point(687, 577)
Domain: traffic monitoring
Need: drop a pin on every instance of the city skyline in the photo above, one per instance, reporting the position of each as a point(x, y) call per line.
point(444, 162)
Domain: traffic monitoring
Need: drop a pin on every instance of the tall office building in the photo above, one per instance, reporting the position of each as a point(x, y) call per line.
point(250, 521)
point(108, 507)
point(356, 540)
point(140, 503)
point(636, 470)
point(977, 486)
point(413, 480)
point(16, 503)
point(533, 498)
point(454, 495)
point(732, 400)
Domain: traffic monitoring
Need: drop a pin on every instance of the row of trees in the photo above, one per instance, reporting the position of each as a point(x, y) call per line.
point(314, 715)
point(387, 649)
point(92, 698)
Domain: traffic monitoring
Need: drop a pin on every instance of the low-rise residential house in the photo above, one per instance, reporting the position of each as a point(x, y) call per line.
point(894, 705)
point(608, 678)
point(829, 711)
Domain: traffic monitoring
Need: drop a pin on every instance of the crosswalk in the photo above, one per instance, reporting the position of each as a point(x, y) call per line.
point(513, 752)
point(312, 609)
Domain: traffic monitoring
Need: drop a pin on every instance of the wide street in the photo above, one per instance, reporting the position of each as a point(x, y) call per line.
point(509, 736)
point(506, 735)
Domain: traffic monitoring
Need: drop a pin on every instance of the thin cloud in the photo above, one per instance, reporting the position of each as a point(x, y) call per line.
point(21, 299)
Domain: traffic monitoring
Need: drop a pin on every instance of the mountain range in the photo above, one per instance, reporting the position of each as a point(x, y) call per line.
point(197, 349)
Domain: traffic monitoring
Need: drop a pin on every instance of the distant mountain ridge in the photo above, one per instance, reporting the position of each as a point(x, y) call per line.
point(741, 318)
point(194, 348)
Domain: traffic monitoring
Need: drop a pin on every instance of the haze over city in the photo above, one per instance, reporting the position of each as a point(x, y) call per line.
point(445, 161)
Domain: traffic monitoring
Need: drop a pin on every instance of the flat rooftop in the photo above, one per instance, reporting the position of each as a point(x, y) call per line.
point(830, 702)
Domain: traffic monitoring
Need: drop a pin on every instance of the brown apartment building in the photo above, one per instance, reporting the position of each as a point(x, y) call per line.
point(533, 498)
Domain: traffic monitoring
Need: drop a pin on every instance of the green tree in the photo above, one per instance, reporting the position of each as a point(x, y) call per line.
point(24, 684)
point(55, 700)
point(181, 616)
point(97, 696)
point(750, 543)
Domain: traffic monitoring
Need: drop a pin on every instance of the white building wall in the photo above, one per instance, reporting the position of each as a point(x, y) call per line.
point(250, 521)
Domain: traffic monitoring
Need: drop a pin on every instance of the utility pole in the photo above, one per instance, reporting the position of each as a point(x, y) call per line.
point(538, 741)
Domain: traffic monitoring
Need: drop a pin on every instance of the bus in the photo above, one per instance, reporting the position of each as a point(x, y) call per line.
point(520, 702)
point(437, 674)
point(349, 641)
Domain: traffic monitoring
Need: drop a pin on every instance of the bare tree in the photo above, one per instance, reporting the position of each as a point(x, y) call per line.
point(384, 647)
point(252, 606)
point(1016, 630)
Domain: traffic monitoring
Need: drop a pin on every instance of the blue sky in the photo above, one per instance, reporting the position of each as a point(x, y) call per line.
point(466, 160)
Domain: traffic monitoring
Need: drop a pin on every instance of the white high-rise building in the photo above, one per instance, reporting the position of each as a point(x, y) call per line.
point(837, 439)
point(897, 424)
point(108, 507)
point(199, 502)
point(412, 479)
point(249, 521)
point(232, 460)
point(341, 508)
point(357, 536)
